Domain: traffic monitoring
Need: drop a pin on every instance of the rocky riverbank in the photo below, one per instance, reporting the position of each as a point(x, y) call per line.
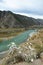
point(28, 53)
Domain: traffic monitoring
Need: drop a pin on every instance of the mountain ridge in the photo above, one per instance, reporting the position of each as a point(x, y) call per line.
point(9, 19)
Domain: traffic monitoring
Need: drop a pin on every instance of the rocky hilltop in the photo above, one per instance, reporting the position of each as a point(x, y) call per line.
point(9, 19)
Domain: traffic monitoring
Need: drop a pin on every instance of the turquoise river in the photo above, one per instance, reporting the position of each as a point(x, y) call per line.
point(17, 40)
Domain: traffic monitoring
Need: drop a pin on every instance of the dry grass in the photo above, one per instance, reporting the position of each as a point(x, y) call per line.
point(9, 33)
point(37, 42)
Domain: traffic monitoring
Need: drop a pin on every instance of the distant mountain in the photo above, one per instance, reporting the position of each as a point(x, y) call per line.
point(12, 20)
point(41, 21)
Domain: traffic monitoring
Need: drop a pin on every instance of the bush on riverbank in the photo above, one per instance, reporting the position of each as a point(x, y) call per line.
point(28, 51)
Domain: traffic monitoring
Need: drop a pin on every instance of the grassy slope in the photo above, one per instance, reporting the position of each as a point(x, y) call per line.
point(36, 40)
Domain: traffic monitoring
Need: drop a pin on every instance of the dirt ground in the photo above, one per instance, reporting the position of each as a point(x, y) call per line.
point(36, 62)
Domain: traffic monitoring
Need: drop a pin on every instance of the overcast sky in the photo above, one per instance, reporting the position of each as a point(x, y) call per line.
point(30, 8)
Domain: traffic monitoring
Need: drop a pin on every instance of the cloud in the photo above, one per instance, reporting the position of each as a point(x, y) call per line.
point(34, 7)
point(22, 4)
point(11, 4)
point(1, 0)
point(32, 15)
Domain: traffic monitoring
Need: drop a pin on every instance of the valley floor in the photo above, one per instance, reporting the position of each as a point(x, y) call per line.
point(6, 34)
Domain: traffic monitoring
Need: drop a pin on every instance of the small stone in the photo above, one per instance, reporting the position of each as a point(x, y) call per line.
point(31, 60)
point(19, 51)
